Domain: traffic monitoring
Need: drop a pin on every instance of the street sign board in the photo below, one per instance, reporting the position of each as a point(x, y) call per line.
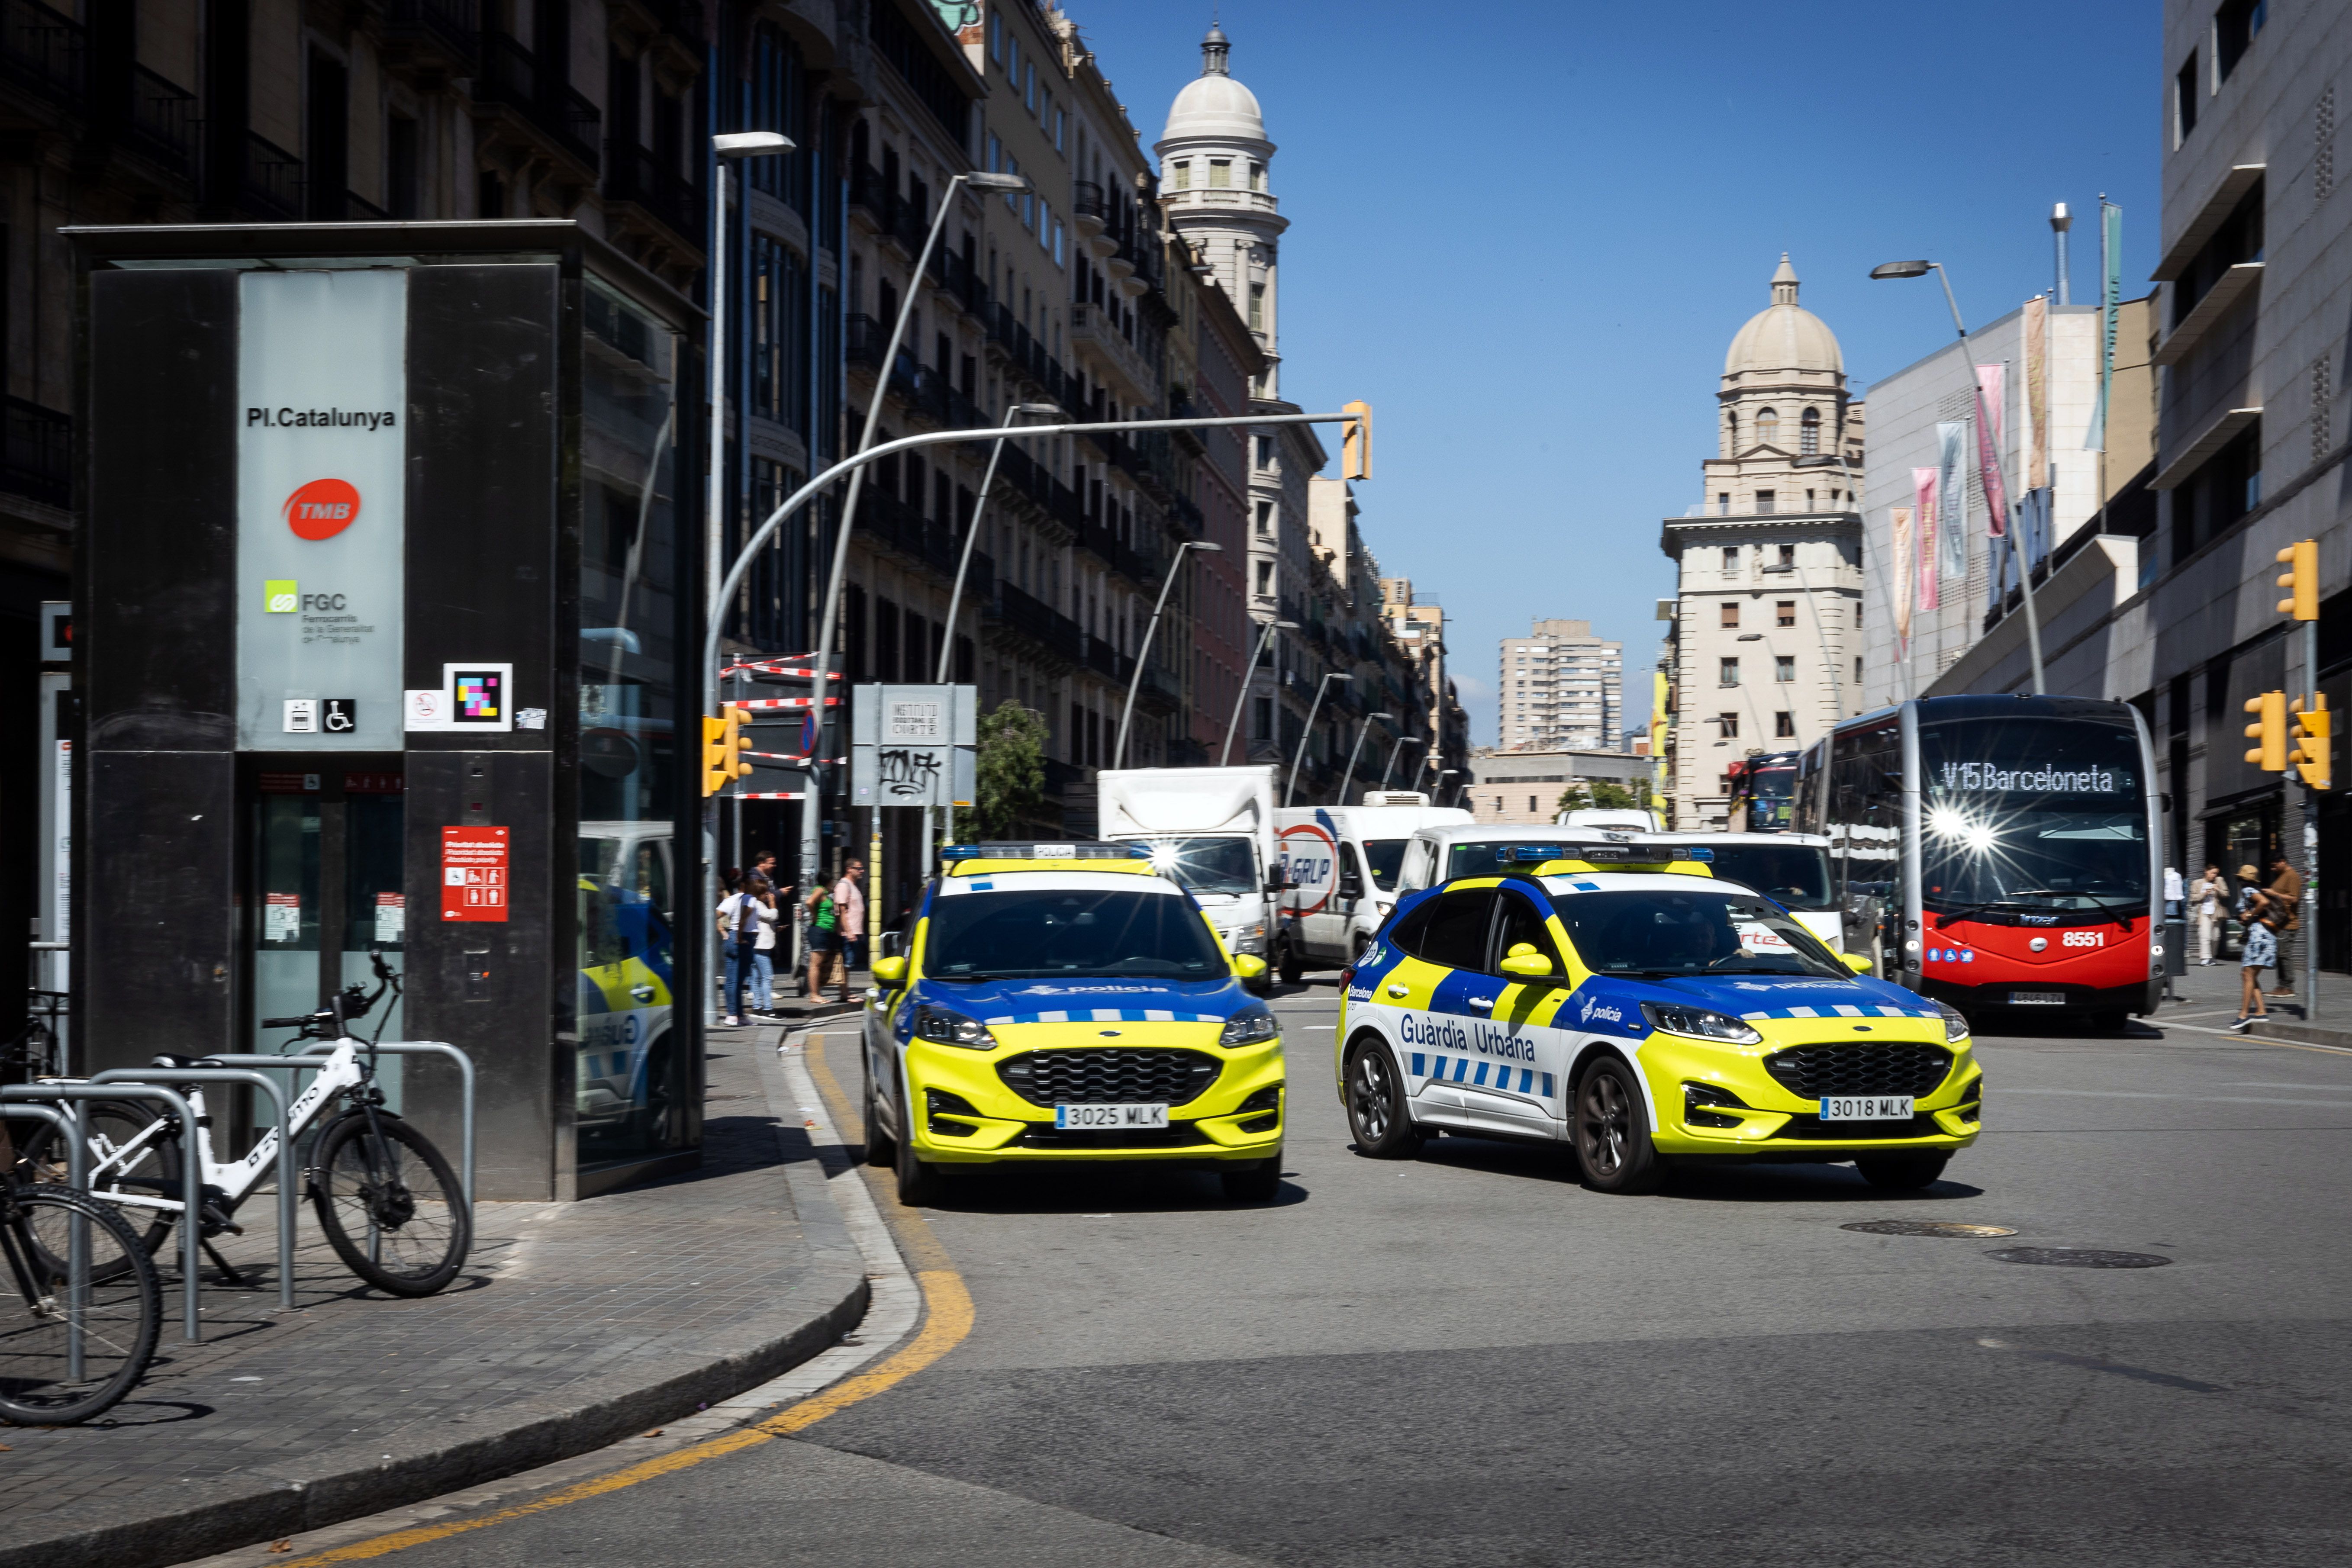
point(913, 745)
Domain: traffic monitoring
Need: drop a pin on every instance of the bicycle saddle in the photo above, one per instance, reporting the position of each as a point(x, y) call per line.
point(168, 1059)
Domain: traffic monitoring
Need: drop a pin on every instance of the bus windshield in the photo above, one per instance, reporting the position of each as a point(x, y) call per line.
point(2032, 813)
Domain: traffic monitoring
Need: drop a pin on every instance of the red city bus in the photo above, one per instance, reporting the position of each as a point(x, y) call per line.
point(1998, 853)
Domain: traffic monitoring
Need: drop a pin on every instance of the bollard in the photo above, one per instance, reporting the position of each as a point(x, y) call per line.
point(191, 1180)
point(286, 1197)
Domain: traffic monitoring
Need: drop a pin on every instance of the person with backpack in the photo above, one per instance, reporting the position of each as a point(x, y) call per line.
point(747, 926)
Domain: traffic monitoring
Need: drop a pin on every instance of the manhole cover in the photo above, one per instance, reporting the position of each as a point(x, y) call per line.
point(2079, 1258)
point(1930, 1227)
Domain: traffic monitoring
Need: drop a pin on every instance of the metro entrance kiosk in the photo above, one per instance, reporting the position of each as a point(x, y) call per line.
point(381, 588)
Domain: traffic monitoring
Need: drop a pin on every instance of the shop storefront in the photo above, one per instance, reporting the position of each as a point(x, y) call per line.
point(383, 582)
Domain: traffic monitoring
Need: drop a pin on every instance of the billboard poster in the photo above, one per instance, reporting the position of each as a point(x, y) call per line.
point(322, 395)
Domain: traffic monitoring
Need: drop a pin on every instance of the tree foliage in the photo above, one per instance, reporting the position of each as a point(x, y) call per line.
point(1599, 794)
point(1012, 769)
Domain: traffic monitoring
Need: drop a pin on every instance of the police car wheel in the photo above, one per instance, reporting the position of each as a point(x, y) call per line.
point(1252, 1184)
point(1903, 1173)
point(879, 1149)
point(1613, 1136)
point(919, 1180)
point(1376, 1105)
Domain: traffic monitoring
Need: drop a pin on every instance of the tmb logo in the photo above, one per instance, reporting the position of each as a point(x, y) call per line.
point(322, 508)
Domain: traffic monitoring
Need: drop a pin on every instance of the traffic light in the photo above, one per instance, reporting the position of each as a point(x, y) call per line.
point(2311, 755)
point(723, 745)
point(2268, 731)
point(1356, 442)
point(2301, 580)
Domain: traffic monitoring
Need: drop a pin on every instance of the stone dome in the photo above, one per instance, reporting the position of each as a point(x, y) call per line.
point(1784, 336)
point(1213, 105)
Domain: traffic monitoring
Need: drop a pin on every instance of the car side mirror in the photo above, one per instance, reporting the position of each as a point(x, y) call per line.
point(890, 971)
point(1858, 963)
point(1274, 884)
point(1351, 885)
point(894, 943)
point(1248, 966)
point(1528, 965)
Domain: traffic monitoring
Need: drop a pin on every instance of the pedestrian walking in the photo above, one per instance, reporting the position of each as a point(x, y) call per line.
point(849, 902)
point(747, 925)
point(2209, 897)
point(2174, 895)
point(2261, 951)
point(824, 938)
point(2286, 911)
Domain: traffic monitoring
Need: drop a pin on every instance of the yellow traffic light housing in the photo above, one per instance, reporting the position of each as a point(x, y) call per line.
point(2268, 731)
point(723, 745)
point(2301, 580)
point(2312, 756)
point(1356, 442)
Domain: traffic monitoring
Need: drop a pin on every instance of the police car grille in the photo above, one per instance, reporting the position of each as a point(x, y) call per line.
point(1108, 1076)
point(1175, 1135)
point(1813, 1071)
point(1813, 1127)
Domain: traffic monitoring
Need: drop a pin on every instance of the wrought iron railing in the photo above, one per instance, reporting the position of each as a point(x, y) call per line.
point(36, 456)
point(273, 179)
point(41, 50)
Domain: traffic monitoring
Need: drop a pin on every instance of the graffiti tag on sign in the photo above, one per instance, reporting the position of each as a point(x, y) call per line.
point(911, 773)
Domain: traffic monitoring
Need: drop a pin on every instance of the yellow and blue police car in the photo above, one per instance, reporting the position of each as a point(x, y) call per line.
point(1646, 1014)
point(1061, 1002)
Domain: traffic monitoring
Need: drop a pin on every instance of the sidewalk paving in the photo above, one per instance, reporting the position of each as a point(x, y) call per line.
point(573, 1325)
point(2208, 997)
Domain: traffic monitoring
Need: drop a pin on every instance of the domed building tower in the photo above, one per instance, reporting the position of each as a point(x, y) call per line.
point(1759, 656)
point(1213, 163)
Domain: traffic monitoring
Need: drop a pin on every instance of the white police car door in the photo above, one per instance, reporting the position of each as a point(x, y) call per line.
point(1515, 1083)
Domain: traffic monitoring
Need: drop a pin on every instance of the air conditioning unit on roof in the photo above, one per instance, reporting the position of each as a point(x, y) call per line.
point(1395, 797)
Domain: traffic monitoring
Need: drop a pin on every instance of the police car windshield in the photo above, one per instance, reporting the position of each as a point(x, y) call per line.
point(1017, 935)
point(1700, 931)
point(1208, 865)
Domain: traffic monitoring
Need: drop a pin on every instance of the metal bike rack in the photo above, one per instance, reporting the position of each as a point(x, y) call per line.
point(286, 1203)
point(398, 1048)
point(191, 1174)
point(68, 1128)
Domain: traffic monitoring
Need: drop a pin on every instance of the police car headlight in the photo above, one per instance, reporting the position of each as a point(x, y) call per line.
point(1956, 1023)
point(1698, 1023)
point(1249, 1026)
point(943, 1027)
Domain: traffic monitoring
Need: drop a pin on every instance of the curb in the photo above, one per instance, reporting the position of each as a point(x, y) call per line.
point(173, 1524)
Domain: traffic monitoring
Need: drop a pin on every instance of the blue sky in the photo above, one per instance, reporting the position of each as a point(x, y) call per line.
point(1527, 234)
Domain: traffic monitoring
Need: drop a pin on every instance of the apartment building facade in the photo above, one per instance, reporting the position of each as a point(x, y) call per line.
point(1559, 687)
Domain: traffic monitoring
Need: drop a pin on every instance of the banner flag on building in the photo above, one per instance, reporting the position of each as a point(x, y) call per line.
point(2035, 326)
point(2111, 292)
point(1925, 483)
point(1898, 520)
point(1952, 496)
point(1991, 388)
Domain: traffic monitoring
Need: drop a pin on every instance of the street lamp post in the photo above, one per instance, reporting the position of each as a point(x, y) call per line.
point(1264, 637)
point(1402, 742)
point(725, 149)
point(1306, 733)
point(1438, 794)
point(1118, 748)
point(1349, 776)
point(963, 564)
point(1984, 444)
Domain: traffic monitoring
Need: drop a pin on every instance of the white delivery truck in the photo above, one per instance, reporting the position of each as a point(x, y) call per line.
point(1212, 830)
point(1339, 867)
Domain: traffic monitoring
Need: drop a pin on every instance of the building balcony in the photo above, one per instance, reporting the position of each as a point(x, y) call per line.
point(43, 53)
point(634, 175)
point(1040, 623)
point(37, 454)
point(164, 126)
point(272, 182)
point(1088, 213)
point(566, 122)
point(443, 36)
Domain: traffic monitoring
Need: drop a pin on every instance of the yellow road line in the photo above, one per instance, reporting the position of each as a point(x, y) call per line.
point(947, 1320)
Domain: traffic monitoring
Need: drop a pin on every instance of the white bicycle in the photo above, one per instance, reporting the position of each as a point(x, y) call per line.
point(386, 1197)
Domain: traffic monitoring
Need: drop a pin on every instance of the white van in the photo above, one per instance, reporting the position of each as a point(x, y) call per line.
point(1634, 819)
point(1339, 876)
point(1790, 868)
point(1440, 854)
point(1209, 829)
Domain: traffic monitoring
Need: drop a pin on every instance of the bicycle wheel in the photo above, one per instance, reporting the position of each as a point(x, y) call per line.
point(152, 1172)
point(63, 1360)
point(390, 1205)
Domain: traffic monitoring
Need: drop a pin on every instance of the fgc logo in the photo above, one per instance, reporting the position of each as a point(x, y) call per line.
point(322, 508)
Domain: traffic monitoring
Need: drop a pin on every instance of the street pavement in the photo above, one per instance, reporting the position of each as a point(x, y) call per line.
point(1469, 1360)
